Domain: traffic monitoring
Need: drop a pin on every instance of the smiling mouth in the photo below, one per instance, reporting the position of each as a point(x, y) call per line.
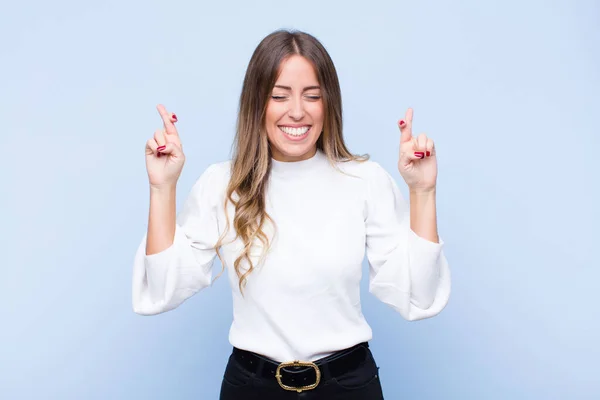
point(295, 132)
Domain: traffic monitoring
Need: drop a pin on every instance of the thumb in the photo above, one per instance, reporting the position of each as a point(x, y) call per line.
point(169, 148)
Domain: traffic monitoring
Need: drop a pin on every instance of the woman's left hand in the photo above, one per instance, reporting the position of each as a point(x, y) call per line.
point(417, 162)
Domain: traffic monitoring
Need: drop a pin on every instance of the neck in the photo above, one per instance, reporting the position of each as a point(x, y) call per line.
point(298, 165)
point(278, 156)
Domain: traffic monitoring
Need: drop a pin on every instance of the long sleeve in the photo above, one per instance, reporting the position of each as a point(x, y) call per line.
point(407, 272)
point(162, 281)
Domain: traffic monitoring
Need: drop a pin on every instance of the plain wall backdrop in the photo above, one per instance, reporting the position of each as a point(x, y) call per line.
point(509, 91)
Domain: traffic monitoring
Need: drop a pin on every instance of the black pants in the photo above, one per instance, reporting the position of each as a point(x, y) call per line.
point(361, 383)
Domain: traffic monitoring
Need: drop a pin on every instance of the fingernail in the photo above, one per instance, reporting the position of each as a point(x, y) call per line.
point(174, 118)
point(161, 148)
point(402, 122)
point(419, 154)
point(428, 153)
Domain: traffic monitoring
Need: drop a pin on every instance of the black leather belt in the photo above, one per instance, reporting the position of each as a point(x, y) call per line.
point(300, 375)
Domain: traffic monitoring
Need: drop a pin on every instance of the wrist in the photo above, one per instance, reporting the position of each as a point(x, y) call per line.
point(163, 190)
point(421, 198)
point(422, 191)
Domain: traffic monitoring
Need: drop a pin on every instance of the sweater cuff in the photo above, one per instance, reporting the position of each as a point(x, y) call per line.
point(425, 246)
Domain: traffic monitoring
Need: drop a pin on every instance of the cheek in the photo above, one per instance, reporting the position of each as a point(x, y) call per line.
point(271, 113)
point(317, 112)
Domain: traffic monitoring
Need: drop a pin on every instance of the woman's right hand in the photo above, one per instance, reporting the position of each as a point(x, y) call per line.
point(164, 157)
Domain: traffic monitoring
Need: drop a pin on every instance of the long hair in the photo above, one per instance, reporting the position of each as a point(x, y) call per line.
point(251, 161)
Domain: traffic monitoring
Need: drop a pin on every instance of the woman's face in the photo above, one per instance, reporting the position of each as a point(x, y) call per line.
point(295, 114)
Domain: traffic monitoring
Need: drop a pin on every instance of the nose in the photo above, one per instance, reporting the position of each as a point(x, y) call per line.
point(296, 110)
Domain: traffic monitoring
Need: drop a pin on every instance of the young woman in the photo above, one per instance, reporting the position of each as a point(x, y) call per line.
point(291, 217)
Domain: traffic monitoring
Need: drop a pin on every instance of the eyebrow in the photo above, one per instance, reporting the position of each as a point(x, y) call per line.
point(304, 90)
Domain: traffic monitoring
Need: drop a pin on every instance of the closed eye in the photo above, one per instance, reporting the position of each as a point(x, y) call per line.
point(309, 97)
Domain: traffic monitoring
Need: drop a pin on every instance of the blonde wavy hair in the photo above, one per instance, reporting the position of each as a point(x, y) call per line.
point(251, 161)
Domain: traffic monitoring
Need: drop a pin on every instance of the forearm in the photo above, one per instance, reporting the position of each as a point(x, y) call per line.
point(423, 218)
point(161, 220)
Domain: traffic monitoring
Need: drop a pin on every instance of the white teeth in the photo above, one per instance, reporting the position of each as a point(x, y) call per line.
point(295, 131)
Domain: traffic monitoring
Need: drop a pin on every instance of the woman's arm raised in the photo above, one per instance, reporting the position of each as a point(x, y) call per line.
point(174, 259)
point(164, 162)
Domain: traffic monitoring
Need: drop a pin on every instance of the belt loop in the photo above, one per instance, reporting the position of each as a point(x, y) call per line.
point(260, 366)
point(325, 372)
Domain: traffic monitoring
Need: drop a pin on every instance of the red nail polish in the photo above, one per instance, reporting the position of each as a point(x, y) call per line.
point(419, 154)
point(174, 117)
point(428, 153)
point(161, 148)
point(402, 123)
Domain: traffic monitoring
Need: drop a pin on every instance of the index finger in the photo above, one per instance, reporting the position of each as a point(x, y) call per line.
point(409, 119)
point(168, 120)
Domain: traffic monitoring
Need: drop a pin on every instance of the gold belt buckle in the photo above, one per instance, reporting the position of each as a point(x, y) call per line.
point(297, 363)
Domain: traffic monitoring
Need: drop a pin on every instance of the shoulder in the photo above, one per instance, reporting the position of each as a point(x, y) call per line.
point(219, 171)
point(377, 183)
point(214, 179)
point(369, 170)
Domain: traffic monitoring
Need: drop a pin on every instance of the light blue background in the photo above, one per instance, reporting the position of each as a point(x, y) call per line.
point(508, 90)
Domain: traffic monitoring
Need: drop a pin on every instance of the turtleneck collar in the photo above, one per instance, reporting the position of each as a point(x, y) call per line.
point(298, 167)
